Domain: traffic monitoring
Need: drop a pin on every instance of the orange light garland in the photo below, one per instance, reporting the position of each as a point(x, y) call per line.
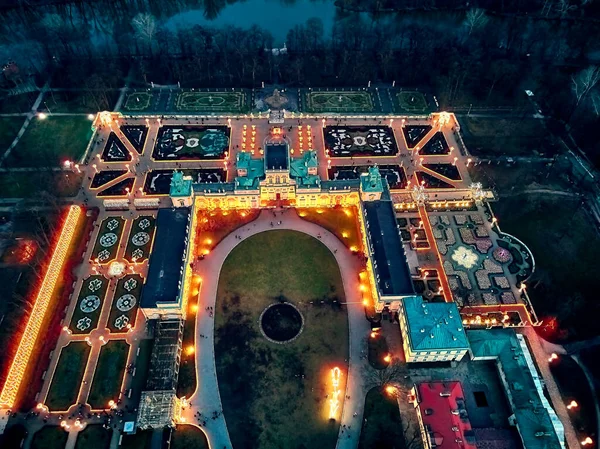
point(34, 324)
point(334, 402)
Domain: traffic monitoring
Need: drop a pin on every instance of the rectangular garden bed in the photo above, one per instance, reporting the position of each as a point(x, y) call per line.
point(66, 380)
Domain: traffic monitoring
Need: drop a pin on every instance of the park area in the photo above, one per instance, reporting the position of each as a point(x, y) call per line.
point(9, 127)
point(411, 102)
point(67, 376)
point(268, 388)
point(338, 101)
point(36, 184)
point(175, 143)
point(51, 141)
point(489, 137)
point(220, 101)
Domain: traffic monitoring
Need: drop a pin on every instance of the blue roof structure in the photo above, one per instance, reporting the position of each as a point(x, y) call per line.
point(389, 260)
point(433, 326)
point(165, 268)
point(537, 422)
point(180, 185)
point(255, 169)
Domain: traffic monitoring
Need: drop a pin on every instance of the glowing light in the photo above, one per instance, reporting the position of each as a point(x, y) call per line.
point(334, 402)
point(34, 324)
point(391, 390)
point(365, 302)
point(553, 357)
point(208, 241)
point(206, 252)
point(194, 308)
point(363, 288)
point(387, 358)
point(354, 249)
point(373, 334)
point(91, 116)
point(572, 405)
point(587, 441)
point(345, 234)
point(190, 350)
point(42, 116)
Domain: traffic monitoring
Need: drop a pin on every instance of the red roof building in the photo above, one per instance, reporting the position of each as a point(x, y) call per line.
point(442, 416)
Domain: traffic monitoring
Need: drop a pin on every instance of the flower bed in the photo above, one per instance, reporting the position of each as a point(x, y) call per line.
point(178, 142)
point(415, 133)
point(121, 188)
point(502, 255)
point(114, 150)
point(460, 219)
point(483, 245)
point(141, 238)
point(483, 279)
point(89, 305)
point(104, 177)
point(136, 134)
point(436, 146)
point(107, 241)
point(501, 281)
point(481, 231)
point(352, 141)
point(125, 304)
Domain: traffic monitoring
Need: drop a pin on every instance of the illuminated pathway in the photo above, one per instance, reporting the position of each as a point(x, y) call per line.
point(206, 398)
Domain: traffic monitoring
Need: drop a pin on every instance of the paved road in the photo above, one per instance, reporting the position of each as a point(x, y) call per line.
point(206, 398)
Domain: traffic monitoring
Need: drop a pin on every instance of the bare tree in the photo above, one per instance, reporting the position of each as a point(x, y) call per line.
point(583, 83)
point(475, 19)
point(389, 376)
point(145, 27)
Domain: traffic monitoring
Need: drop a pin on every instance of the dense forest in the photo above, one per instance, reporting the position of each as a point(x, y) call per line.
point(483, 52)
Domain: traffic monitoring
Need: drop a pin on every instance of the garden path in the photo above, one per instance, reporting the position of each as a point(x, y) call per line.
point(206, 398)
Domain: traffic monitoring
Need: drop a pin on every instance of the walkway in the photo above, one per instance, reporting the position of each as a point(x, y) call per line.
point(206, 398)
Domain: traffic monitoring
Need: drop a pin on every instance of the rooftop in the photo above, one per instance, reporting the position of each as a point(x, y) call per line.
point(433, 326)
point(538, 425)
point(371, 181)
point(299, 169)
point(276, 156)
point(389, 260)
point(180, 185)
point(443, 412)
point(255, 169)
point(166, 261)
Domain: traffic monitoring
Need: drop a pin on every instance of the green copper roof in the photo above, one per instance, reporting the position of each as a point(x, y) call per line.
point(180, 185)
point(299, 169)
point(371, 181)
point(537, 422)
point(433, 326)
point(255, 169)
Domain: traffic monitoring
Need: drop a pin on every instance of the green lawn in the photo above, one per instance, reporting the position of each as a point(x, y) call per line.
point(48, 142)
point(186, 437)
point(62, 184)
point(412, 102)
point(234, 102)
point(382, 426)
point(139, 440)
point(109, 374)
point(79, 101)
point(94, 436)
point(49, 437)
point(138, 102)
point(68, 375)
point(268, 389)
point(9, 127)
point(564, 242)
point(21, 103)
point(359, 101)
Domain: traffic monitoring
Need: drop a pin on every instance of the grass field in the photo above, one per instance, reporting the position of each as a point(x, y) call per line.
point(185, 437)
point(234, 102)
point(382, 426)
point(109, 374)
point(9, 127)
point(17, 103)
point(68, 375)
point(78, 101)
point(94, 436)
point(49, 437)
point(411, 102)
point(506, 137)
point(138, 102)
point(359, 101)
point(49, 142)
point(268, 389)
point(62, 184)
point(565, 244)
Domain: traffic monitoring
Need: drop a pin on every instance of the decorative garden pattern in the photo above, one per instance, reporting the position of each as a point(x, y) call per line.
point(138, 101)
point(136, 134)
point(122, 188)
point(107, 241)
point(412, 102)
point(191, 142)
point(359, 101)
point(436, 146)
point(104, 177)
point(158, 182)
point(141, 237)
point(114, 150)
point(477, 268)
point(125, 303)
point(224, 101)
point(89, 305)
point(352, 141)
point(414, 134)
point(393, 174)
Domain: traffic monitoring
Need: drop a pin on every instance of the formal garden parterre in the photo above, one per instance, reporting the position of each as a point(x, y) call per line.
point(108, 375)
point(125, 305)
point(158, 182)
point(339, 101)
point(141, 238)
point(413, 134)
point(89, 305)
point(359, 141)
point(216, 101)
point(136, 134)
point(67, 377)
point(176, 143)
point(103, 177)
point(115, 150)
point(120, 189)
point(107, 240)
